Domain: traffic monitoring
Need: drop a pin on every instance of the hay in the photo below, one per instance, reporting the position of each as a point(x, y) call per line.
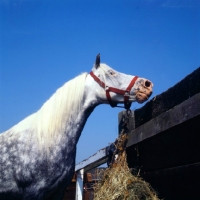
point(118, 183)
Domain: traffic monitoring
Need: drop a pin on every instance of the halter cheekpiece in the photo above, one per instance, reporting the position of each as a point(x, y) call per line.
point(125, 93)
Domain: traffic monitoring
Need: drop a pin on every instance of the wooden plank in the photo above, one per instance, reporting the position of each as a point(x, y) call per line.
point(87, 177)
point(93, 161)
point(180, 182)
point(177, 115)
point(176, 146)
point(172, 169)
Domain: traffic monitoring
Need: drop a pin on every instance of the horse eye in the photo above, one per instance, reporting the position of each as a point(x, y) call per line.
point(111, 72)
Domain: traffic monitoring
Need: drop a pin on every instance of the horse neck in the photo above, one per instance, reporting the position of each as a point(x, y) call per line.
point(88, 103)
point(63, 117)
point(73, 131)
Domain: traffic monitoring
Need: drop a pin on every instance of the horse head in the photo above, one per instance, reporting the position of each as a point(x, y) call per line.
point(117, 87)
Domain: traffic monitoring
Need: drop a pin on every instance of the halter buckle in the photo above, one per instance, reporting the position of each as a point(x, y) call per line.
point(107, 88)
point(127, 93)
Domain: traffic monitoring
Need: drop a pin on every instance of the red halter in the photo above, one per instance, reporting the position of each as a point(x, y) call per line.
point(125, 93)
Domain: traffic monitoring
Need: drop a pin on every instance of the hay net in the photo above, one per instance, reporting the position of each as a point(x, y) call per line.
point(118, 183)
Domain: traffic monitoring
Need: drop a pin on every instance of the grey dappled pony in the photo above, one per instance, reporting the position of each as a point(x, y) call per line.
point(37, 156)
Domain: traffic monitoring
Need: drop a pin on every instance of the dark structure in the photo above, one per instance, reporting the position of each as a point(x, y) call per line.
point(175, 95)
point(163, 144)
point(164, 147)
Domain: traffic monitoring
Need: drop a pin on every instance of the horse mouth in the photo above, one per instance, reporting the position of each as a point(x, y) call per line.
point(144, 91)
point(142, 97)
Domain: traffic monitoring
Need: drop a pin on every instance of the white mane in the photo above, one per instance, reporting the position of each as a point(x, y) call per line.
point(51, 120)
point(53, 116)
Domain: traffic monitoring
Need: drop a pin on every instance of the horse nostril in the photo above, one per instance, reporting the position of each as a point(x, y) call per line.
point(147, 83)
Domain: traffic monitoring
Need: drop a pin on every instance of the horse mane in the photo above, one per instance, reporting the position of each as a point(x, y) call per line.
point(56, 112)
point(51, 119)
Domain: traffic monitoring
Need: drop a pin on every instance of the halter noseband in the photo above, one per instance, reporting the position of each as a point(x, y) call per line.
point(125, 93)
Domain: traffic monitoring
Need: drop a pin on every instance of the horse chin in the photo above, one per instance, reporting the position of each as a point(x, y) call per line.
point(141, 97)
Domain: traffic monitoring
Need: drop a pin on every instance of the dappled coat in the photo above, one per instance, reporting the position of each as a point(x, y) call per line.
point(37, 156)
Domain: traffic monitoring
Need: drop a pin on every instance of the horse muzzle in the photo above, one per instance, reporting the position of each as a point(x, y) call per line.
point(144, 91)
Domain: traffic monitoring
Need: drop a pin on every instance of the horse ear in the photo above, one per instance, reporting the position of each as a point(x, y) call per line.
point(97, 62)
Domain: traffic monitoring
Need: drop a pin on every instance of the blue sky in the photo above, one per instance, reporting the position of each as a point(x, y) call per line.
point(43, 44)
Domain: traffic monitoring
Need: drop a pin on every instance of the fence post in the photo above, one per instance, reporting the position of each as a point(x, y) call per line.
point(130, 125)
point(79, 184)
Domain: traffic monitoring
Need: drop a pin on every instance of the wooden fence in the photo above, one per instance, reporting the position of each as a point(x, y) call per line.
point(164, 142)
